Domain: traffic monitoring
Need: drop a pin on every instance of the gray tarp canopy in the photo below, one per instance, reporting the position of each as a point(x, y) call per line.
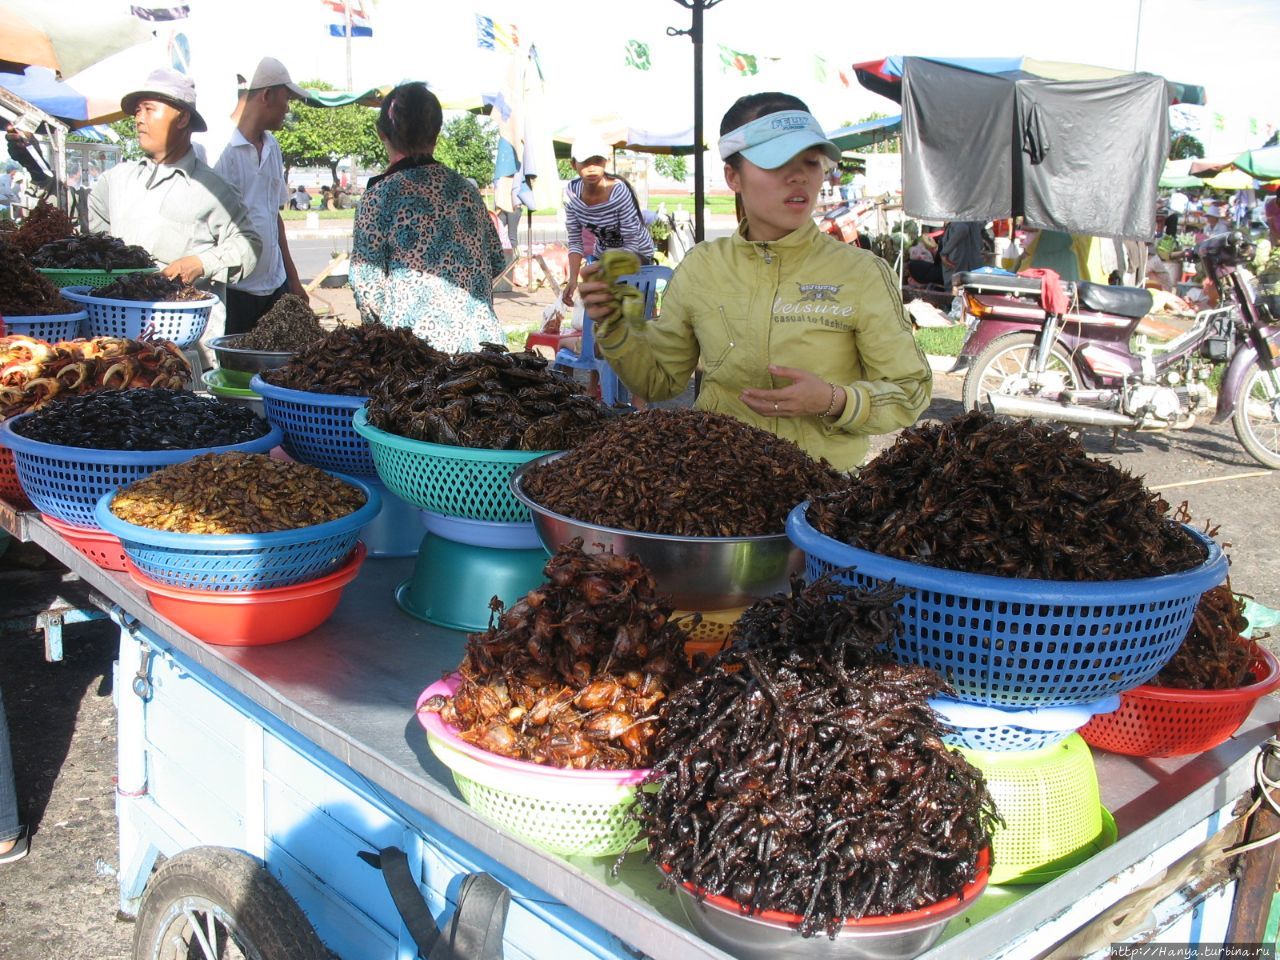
point(1081, 156)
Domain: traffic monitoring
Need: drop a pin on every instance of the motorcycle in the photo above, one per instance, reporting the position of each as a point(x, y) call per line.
point(1082, 368)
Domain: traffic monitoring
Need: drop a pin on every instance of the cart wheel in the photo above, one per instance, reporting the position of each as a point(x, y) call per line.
point(211, 903)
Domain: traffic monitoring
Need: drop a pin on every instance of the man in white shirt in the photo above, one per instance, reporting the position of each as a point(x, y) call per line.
point(251, 161)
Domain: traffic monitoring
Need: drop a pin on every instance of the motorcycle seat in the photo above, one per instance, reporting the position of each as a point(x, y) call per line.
point(1007, 283)
point(1133, 302)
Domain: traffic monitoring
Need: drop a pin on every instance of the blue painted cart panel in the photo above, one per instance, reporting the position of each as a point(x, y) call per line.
point(235, 776)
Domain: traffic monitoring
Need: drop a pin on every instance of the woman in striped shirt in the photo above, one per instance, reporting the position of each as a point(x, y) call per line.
point(603, 204)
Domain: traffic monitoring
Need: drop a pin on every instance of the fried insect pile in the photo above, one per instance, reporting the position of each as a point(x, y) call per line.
point(572, 674)
point(1007, 499)
point(351, 361)
point(44, 224)
point(93, 251)
point(150, 288)
point(25, 291)
point(1215, 655)
point(803, 771)
point(229, 493)
point(33, 372)
point(288, 326)
point(490, 399)
point(683, 473)
point(155, 419)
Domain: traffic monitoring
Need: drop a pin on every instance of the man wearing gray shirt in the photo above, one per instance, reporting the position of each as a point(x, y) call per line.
point(171, 203)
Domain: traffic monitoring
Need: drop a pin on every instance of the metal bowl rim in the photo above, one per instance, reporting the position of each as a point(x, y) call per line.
point(219, 344)
point(534, 507)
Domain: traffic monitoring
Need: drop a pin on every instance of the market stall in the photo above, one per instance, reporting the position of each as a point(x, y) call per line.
point(326, 720)
point(547, 749)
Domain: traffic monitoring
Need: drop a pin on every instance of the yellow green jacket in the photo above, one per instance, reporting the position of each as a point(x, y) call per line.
point(803, 301)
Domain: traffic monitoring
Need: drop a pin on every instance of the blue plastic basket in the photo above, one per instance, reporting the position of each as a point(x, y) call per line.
point(1004, 640)
point(226, 563)
point(1010, 728)
point(52, 328)
point(182, 322)
point(317, 428)
point(67, 482)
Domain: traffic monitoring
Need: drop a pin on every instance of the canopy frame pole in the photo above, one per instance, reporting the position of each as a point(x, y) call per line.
point(699, 161)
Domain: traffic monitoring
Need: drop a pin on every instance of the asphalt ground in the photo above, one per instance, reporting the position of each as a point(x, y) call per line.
point(61, 901)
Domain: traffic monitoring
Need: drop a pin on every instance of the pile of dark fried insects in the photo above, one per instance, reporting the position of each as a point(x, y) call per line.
point(351, 361)
point(92, 251)
point(25, 291)
point(1215, 654)
point(804, 773)
point(572, 674)
point(488, 399)
point(150, 288)
point(1006, 499)
point(288, 326)
point(683, 473)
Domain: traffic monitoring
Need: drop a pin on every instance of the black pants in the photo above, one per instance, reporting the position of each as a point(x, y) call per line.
point(244, 310)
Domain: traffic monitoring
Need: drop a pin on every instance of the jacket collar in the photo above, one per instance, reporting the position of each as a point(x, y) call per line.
point(800, 237)
point(156, 173)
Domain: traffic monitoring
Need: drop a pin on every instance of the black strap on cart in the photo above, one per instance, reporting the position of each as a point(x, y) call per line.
point(475, 931)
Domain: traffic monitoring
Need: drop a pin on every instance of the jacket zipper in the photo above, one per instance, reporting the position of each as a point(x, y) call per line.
point(768, 257)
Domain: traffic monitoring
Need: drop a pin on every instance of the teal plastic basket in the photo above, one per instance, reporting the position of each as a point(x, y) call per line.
point(455, 481)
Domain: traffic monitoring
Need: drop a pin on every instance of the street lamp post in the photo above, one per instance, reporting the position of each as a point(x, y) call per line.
point(695, 34)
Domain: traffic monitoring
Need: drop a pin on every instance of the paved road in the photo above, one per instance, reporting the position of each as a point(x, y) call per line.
point(61, 901)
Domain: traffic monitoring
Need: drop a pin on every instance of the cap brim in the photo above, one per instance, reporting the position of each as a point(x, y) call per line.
point(774, 153)
point(129, 103)
point(297, 92)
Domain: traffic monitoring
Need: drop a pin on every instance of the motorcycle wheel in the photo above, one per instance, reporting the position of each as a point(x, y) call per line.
point(1005, 357)
point(1257, 417)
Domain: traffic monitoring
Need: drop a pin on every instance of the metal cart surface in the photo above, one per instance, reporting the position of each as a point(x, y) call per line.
point(307, 756)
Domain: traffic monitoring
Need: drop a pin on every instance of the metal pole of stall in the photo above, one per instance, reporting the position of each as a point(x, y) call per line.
point(699, 183)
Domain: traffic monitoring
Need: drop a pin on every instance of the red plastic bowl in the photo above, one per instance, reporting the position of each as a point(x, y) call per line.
point(251, 617)
point(934, 912)
point(10, 488)
point(1173, 722)
point(102, 548)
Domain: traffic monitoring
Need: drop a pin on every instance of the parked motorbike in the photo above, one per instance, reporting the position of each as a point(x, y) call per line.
point(1083, 367)
point(844, 222)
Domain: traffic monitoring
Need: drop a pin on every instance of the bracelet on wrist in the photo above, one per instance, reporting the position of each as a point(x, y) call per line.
point(835, 399)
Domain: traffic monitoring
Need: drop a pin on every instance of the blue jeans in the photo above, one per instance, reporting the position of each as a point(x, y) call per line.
point(10, 828)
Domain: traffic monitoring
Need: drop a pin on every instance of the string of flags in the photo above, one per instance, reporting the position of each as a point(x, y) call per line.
point(637, 55)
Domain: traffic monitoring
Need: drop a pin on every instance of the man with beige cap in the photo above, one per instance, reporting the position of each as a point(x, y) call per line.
point(252, 162)
point(171, 203)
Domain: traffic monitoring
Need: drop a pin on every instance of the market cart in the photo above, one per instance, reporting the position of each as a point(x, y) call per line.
point(306, 756)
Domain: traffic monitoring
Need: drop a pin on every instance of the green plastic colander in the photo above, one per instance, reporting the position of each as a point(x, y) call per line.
point(454, 481)
point(1053, 813)
point(567, 817)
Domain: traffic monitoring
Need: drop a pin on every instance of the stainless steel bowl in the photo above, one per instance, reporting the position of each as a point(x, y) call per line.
point(245, 362)
point(699, 573)
point(754, 938)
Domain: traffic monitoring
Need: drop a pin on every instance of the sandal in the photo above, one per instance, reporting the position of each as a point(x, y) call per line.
point(21, 847)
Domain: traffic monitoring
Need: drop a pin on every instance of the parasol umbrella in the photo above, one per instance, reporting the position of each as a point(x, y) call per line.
point(1229, 179)
point(41, 87)
point(866, 133)
point(67, 36)
point(622, 134)
point(1263, 164)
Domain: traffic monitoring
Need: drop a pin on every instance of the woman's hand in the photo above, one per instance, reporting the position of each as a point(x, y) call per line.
point(599, 301)
point(807, 395)
point(567, 297)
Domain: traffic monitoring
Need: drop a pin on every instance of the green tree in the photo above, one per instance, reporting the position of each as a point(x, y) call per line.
point(324, 136)
point(468, 143)
point(670, 165)
point(1184, 145)
point(128, 134)
point(566, 171)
